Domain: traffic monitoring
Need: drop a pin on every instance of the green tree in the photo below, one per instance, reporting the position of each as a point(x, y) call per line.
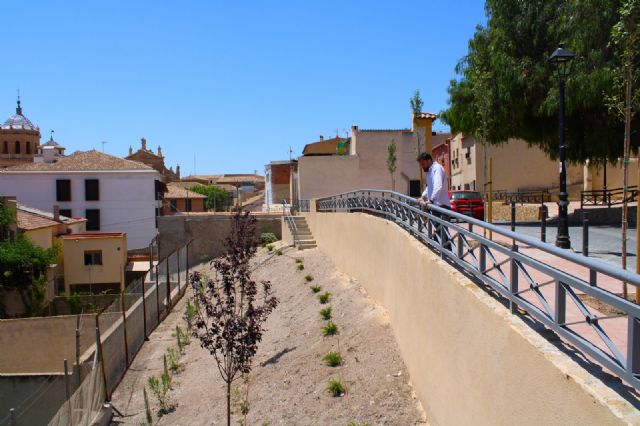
point(625, 99)
point(416, 102)
point(216, 196)
point(391, 162)
point(506, 89)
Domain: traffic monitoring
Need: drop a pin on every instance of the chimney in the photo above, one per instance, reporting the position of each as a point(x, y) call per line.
point(321, 138)
point(56, 213)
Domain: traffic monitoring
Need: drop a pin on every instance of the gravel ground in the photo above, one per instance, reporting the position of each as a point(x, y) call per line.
point(289, 379)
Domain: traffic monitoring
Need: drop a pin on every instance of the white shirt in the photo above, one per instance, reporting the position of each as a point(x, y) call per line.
point(436, 190)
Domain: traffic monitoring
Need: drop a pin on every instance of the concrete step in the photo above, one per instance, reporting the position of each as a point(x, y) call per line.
point(306, 246)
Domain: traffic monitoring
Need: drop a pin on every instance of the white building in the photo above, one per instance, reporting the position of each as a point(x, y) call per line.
point(113, 194)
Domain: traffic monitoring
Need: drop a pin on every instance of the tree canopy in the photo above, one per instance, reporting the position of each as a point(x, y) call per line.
point(216, 196)
point(507, 89)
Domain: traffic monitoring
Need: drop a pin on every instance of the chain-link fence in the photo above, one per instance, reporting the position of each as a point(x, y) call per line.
point(119, 332)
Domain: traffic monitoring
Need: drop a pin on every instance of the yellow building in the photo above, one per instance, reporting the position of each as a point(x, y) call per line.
point(95, 262)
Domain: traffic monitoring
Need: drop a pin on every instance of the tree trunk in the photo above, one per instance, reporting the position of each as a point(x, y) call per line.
point(229, 403)
point(625, 171)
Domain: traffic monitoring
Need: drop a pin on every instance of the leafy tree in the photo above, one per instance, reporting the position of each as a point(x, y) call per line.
point(230, 318)
point(391, 162)
point(216, 196)
point(506, 88)
point(625, 40)
point(416, 102)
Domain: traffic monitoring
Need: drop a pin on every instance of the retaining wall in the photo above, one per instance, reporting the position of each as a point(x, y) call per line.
point(470, 360)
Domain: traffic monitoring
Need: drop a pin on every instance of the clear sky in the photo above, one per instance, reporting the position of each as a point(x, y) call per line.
point(233, 83)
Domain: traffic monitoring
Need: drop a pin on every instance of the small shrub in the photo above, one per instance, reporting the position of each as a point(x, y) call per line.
point(189, 315)
point(357, 424)
point(298, 260)
point(308, 278)
point(268, 238)
point(300, 267)
point(172, 360)
point(324, 297)
point(330, 329)
point(147, 409)
point(316, 288)
point(333, 359)
point(165, 374)
point(160, 388)
point(325, 313)
point(270, 247)
point(335, 388)
point(279, 253)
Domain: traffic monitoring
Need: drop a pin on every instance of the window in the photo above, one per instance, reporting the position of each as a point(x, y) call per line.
point(93, 219)
point(91, 189)
point(65, 212)
point(187, 204)
point(17, 151)
point(93, 257)
point(28, 148)
point(173, 205)
point(5, 147)
point(63, 190)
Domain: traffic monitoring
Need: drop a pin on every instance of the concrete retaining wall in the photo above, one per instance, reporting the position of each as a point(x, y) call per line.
point(470, 360)
point(208, 232)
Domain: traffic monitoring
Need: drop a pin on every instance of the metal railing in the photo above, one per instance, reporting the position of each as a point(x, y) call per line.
point(547, 290)
point(608, 197)
point(304, 205)
point(522, 197)
point(288, 217)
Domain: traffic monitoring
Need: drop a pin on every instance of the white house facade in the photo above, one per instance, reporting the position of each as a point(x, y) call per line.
point(113, 194)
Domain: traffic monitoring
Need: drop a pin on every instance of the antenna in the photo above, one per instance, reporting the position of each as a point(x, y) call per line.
point(194, 164)
point(290, 152)
point(103, 142)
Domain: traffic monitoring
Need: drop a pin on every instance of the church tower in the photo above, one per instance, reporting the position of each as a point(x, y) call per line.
point(19, 139)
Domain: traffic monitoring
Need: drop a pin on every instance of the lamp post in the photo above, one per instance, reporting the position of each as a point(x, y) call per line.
point(560, 59)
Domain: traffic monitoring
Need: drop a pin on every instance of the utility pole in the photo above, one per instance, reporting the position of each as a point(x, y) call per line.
point(103, 143)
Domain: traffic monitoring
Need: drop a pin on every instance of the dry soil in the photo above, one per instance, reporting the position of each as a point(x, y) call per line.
point(288, 383)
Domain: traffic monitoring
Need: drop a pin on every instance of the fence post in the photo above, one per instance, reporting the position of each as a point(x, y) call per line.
point(76, 368)
point(124, 328)
point(168, 276)
point(459, 244)
point(12, 413)
point(543, 223)
point(67, 391)
point(513, 216)
point(513, 284)
point(158, 292)
point(178, 264)
point(144, 307)
point(561, 303)
point(585, 234)
point(483, 259)
point(100, 356)
point(633, 345)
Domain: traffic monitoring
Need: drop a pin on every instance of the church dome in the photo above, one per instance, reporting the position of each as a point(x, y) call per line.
point(19, 122)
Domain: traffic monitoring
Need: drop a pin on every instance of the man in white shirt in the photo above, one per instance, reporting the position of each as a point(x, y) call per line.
point(436, 192)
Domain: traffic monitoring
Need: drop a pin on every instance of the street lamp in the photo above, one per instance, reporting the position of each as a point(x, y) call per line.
point(561, 58)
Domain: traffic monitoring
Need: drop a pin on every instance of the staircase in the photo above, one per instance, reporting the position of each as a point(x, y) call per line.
point(303, 239)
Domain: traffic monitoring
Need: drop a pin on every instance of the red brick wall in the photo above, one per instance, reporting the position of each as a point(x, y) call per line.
point(280, 174)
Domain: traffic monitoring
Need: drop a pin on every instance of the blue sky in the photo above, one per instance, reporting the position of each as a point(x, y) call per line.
point(232, 83)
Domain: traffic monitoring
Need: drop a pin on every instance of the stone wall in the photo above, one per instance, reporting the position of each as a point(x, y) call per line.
point(207, 231)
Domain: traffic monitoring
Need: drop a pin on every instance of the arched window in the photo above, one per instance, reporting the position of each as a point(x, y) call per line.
point(28, 148)
point(5, 147)
point(17, 150)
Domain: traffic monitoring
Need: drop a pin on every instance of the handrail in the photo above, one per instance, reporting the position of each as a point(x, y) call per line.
point(525, 274)
point(286, 213)
point(608, 197)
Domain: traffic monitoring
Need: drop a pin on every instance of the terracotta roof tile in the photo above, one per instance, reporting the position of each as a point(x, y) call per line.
point(177, 191)
point(83, 161)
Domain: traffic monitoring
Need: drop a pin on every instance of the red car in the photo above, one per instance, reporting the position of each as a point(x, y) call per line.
point(469, 203)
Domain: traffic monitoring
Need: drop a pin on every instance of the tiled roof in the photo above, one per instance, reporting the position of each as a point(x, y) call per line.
point(29, 221)
point(29, 218)
point(82, 161)
point(177, 191)
point(428, 115)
